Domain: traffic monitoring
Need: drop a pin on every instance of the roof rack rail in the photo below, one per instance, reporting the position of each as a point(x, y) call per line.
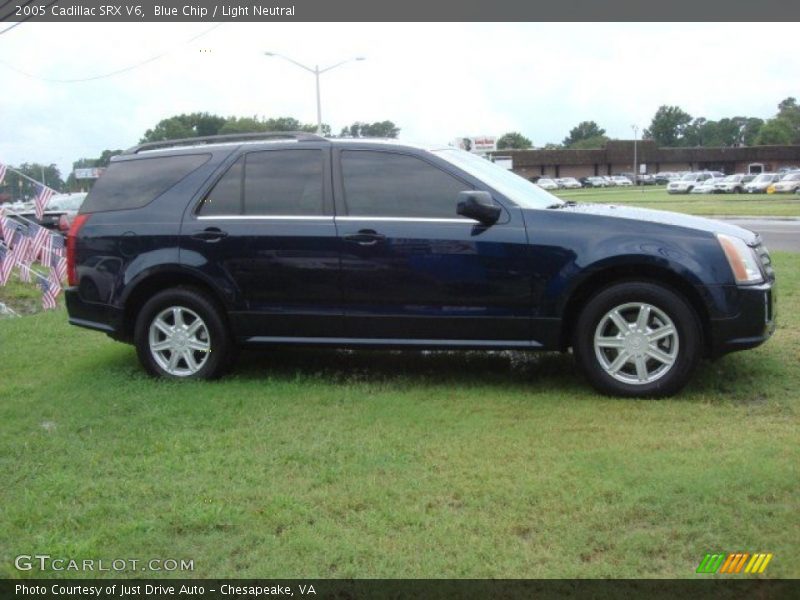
point(300, 136)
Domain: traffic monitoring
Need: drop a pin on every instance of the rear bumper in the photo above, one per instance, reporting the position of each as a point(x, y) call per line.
point(754, 324)
point(93, 315)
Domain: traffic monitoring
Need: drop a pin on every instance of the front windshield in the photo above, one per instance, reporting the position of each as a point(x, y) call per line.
point(733, 178)
point(763, 178)
point(791, 177)
point(689, 177)
point(518, 189)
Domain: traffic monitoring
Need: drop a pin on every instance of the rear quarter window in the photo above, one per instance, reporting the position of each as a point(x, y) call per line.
point(135, 183)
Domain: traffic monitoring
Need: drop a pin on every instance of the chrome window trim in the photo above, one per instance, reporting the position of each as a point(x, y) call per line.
point(331, 218)
point(265, 217)
point(408, 219)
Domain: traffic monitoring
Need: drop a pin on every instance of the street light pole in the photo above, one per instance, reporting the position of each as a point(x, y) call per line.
point(635, 170)
point(317, 72)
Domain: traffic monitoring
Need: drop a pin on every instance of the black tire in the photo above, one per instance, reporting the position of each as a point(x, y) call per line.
point(212, 362)
point(685, 346)
point(689, 189)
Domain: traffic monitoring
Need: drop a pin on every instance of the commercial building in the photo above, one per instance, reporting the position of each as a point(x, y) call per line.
point(618, 155)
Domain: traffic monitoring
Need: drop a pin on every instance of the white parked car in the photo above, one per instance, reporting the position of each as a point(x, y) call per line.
point(621, 180)
point(609, 181)
point(760, 184)
point(709, 186)
point(547, 184)
point(788, 184)
point(689, 181)
point(570, 183)
point(734, 184)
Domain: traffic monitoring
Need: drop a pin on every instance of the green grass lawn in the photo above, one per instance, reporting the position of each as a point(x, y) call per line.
point(778, 205)
point(367, 464)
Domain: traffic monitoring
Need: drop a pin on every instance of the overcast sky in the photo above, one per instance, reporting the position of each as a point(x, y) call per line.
point(435, 81)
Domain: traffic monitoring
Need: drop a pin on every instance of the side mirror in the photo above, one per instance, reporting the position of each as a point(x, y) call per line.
point(479, 206)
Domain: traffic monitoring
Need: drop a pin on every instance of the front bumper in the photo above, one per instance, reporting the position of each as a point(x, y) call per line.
point(93, 315)
point(752, 326)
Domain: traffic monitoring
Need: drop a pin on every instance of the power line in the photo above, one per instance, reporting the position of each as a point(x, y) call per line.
point(112, 73)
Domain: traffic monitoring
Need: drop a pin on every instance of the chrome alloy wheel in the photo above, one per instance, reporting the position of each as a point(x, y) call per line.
point(179, 341)
point(636, 343)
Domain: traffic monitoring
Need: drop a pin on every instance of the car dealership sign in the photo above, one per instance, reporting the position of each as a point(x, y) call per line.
point(479, 144)
point(92, 173)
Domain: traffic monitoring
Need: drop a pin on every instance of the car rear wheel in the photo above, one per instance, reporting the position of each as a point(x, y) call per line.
point(637, 339)
point(180, 334)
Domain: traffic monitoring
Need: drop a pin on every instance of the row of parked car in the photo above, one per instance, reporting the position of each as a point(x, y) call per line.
point(714, 182)
point(569, 183)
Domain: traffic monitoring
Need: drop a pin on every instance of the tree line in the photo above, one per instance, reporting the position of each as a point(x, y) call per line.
point(673, 127)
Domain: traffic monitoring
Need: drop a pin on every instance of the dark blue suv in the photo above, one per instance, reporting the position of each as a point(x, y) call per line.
point(191, 248)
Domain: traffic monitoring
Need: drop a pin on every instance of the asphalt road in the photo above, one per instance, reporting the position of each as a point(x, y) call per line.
point(778, 234)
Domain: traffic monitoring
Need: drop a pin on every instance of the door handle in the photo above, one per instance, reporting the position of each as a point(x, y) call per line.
point(365, 237)
point(210, 234)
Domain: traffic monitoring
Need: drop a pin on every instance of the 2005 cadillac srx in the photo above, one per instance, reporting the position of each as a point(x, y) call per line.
point(191, 248)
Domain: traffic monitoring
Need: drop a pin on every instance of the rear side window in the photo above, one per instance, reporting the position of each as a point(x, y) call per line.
point(136, 183)
point(385, 184)
point(269, 183)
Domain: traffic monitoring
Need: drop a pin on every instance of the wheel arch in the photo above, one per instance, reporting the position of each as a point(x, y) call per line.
point(647, 273)
point(157, 281)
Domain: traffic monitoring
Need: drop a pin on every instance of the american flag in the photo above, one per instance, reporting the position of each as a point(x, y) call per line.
point(3, 224)
point(6, 264)
point(24, 273)
point(2, 172)
point(43, 195)
point(21, 255)
point(57, 243)
point(48, 298)
point(55, 282)
point(59, 265)
point(40, 238)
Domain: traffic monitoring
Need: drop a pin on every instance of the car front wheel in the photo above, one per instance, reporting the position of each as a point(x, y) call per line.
point(637, 339)
point(180, 334)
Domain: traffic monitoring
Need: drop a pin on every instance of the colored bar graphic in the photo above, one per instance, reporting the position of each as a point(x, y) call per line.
point(734, 563)
point(710, 563)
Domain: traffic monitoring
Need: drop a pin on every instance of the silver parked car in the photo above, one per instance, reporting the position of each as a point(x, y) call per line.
point(760, 184)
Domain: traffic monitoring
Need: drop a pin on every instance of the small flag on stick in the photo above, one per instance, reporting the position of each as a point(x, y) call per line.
point(48, 298)
point(43, 195)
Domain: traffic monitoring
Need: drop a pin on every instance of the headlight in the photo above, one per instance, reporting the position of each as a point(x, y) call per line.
point(741, 258)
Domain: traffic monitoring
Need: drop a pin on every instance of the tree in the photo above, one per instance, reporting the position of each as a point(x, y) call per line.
point(205, 124)
point(784, 128)
point(513, 141)
point(668, 126)
point(591, 143)
point(184, 126)
point(20, 188)
point(583, 131)
point(749, 129)
point(774, 131)
point(258, 125)
point(378, 129)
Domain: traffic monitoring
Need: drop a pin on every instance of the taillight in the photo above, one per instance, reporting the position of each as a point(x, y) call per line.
point(72, 240)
